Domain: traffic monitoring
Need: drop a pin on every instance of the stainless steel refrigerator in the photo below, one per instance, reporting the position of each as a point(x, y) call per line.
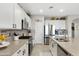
point(47, 32)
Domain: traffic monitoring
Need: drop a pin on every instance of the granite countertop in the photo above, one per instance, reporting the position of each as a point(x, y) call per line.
point(72, 47)
point(13, 47)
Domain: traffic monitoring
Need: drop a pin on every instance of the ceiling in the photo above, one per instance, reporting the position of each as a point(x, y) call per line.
point(51, 9)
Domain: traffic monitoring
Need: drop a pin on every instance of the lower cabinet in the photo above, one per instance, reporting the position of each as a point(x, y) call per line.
point(57, 50)
point(23, 51)
point(53, 47)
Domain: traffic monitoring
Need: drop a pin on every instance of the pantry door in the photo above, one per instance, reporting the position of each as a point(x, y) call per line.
point(39, 31)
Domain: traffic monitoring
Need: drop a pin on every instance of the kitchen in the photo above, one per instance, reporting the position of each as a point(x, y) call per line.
point(39, 29)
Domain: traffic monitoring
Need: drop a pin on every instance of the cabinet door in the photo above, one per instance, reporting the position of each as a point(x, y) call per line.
point(18, 16)
point(18, 53)
point(6, 15)
point(53, 48)
point(23, 51)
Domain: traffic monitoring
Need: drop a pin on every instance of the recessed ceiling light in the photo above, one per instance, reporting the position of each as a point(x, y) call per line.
point(61, 10)
point(41, 10)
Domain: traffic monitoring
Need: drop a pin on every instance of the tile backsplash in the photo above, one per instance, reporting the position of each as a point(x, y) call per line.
point(10, 33)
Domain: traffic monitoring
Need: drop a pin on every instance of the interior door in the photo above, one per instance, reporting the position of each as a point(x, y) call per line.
point(39, 31)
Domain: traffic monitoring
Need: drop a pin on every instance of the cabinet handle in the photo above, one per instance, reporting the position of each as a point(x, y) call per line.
point(52, 45)
point(13, 25)
point(19, 51)
point(24, 51)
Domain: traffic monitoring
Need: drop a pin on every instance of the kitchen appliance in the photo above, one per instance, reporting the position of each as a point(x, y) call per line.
point(48, 31)
point(46, 34)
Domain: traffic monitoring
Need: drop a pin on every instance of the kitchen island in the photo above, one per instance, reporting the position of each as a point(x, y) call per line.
point(15, 47)
point(71, 47)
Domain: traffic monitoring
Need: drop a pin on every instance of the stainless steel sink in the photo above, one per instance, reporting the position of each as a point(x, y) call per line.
point(25, 37)
point(62, 40)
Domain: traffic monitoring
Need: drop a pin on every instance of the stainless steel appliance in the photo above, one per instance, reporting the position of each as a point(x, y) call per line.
point(46, 34)
point(48, 30)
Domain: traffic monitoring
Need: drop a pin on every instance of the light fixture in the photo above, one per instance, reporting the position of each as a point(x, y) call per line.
point(41, 10)
point(61, 10)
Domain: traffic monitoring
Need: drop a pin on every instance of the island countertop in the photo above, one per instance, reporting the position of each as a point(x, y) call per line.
point(71, 47)
point(13, 47)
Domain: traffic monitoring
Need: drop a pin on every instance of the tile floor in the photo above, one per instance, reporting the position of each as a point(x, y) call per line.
point(41, 50)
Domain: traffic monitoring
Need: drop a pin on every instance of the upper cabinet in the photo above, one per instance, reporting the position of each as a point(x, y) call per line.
point(11, 16)
point(6, 15)
point(19, 15)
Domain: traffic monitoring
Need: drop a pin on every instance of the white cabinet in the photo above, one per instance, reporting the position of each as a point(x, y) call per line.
point(6, 15)
point(20, 14)
point(11, 15)
point(53, 47)
point(23, 51)
point(56, 49)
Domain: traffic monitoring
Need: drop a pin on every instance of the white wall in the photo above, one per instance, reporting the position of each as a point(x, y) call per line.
point(38, 28)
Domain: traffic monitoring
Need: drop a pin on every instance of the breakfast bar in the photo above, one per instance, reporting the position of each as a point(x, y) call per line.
point(71, 47)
